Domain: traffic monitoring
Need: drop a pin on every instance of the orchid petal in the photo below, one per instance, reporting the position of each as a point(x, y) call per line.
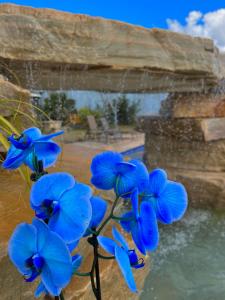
point(45, 151)
point(74, 215)
point(126, 221)
point(34, 133)
point(50, 136)
point(149, 226)
point(134, 202)
point(103, 169)
point(119, 238)
point(107, 244)
point(99, 207)
point(124, 167)
point(77, 260)
point(22, 246)
point(137, 236)
point(50, 187)
point(157, 181)
point(40, 289)
point(124, 264)
point(128, 181)
point(174, 196)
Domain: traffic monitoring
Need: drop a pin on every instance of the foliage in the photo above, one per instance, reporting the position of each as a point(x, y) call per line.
point(120, 111)
point(87, 111)
point(58, 107)
point(67, 211)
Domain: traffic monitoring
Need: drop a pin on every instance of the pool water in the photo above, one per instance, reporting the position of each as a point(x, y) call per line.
point(190, 261)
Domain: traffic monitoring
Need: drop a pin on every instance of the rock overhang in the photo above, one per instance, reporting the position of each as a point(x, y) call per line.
point(48, 49)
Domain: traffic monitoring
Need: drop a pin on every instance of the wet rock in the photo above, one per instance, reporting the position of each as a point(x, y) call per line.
point(186, 129)
point(194, 105)
point(166, 152)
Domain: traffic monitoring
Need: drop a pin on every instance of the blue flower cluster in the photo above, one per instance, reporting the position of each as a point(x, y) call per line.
point(67, 211)
point(153, 197)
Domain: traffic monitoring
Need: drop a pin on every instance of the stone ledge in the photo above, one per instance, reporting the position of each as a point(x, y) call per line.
point(193, 105)
point(166, 152)
point(84, 52)
point(185, 129)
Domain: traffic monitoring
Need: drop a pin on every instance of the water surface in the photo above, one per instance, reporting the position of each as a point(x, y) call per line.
point(190, 261)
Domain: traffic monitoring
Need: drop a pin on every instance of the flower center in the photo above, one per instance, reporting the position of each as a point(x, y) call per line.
point(48, 209)
point(134, 261)
point(35, 263)
point(22, 142)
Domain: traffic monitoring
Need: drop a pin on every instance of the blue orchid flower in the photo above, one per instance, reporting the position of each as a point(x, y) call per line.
point(41, 289)
point(141, 224)
point(99, 207)
point(168, 198)
point(32, 142)
point(110, 171)
point(125, 257)
point(64, 203)
point(35, 250)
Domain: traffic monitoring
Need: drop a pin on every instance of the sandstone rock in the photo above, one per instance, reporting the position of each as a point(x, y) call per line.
point(48, 49)
point(166, 152)
point(193, 105)
point(185, 129)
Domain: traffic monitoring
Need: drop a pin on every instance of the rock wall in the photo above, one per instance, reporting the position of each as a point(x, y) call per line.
point(48, 49)
point(188, 140)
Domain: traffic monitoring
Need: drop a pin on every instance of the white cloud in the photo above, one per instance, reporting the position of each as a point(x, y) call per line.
point(210, 25)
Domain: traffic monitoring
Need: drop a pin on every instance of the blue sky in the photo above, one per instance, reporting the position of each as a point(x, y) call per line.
point(147, 13)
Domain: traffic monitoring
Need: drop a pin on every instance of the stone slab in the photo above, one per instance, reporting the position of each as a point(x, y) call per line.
point(185, 129)
point(163, 151)
point(193, 105)
point(48, 49)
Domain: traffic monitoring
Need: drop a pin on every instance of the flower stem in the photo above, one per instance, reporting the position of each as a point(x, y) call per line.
point(105, 257)
point(82, 274)
point(95, 274)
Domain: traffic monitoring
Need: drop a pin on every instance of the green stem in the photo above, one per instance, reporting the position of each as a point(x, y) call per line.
point(62, 296)
point(82, 274)
point(105, 257)
point(122, 219)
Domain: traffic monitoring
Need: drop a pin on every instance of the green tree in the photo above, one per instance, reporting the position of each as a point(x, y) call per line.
point(58, 106)
point(120, 111)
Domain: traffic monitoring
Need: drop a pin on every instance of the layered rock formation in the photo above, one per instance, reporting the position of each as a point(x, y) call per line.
point(48, 49)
